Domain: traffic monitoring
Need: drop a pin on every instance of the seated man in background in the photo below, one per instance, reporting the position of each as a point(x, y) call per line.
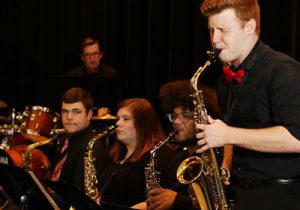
point(91, 55)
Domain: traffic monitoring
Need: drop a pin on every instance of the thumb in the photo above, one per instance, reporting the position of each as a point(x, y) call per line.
point(210, 119)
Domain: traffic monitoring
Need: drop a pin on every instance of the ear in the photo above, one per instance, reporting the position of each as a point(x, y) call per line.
point(250, 26)
point(90, 114)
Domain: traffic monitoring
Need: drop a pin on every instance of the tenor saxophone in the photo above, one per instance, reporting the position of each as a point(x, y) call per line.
point(202, 172)
point(90, 173)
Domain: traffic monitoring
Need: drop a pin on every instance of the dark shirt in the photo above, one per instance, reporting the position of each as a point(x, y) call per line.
point(124, 184)
point(73, 169)
point(268, 96)
point(103, 71)
point(182, 199)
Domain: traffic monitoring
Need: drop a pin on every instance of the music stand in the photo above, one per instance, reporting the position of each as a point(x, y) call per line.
point(79, 200)
point(24, 188)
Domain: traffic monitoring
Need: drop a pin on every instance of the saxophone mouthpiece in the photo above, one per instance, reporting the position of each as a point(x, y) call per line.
point(213, 54)
point(172, 136)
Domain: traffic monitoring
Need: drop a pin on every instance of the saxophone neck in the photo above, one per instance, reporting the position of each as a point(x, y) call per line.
point(170, 137)
point(28, 150)
point(213, 54)
point(109, 131)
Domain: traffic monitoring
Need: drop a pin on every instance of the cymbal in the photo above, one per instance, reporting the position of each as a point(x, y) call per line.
point(105, 117)
point(4, 119)
point(3, 104)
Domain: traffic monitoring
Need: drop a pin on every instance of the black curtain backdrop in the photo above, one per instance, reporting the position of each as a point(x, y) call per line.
point(149, 42)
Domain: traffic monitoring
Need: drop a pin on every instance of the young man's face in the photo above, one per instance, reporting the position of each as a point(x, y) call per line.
point(91, 57)
point(229, 34)
point(75, 117)
point(184, 123)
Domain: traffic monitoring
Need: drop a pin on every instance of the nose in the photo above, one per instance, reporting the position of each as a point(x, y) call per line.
point(177, 120)
point(118, 122)
point(215, 36)
point(69, 115)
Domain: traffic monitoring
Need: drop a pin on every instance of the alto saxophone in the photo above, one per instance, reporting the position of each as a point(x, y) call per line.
point(90, 173)
point(202, 172)
point(151, 174)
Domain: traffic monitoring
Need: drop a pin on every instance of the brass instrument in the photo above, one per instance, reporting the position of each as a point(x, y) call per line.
point(151, 174)
point(90, 173)
point(202, 172)
point(28, 151)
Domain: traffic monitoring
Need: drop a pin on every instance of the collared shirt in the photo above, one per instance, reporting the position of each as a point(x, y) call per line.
point(269, 95)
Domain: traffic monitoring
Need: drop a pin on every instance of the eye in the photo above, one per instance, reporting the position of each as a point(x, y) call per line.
point(64, 111)
point(76, 112)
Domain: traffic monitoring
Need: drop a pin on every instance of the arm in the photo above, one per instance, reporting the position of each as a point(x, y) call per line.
point(227, 163)
point(276, 139)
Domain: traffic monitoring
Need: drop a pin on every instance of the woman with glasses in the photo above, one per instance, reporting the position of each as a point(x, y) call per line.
point(176, 101)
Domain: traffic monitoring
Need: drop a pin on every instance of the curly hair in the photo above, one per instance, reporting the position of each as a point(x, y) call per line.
point(178, 94)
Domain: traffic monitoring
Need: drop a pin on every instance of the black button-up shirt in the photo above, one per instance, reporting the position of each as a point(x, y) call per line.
point(268, 96)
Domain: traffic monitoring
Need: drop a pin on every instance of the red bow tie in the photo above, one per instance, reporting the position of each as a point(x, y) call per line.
point(229, 75)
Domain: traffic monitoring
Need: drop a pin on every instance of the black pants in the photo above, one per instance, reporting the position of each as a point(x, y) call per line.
point(268, 197)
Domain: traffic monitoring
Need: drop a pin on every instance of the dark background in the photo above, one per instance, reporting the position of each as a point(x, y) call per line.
point(149, 42)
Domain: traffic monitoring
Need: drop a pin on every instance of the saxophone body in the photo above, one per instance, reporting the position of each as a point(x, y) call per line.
point(202, 172)
point(27, 155)
point(152, 176)
point(90, 173)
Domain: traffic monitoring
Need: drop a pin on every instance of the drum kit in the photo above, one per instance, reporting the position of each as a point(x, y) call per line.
point(35, 124)
point(19, 130)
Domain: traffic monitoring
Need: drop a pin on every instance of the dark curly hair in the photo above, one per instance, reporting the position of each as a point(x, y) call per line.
point(177, 94)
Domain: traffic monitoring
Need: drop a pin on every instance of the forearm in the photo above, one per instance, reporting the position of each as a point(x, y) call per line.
point(274, 139)
point(227, 157)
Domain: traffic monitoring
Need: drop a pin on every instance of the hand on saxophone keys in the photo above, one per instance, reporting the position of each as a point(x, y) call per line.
point(211, 135)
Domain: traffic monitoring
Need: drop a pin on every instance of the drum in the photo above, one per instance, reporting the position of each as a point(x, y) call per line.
point(38, 122)
point(14, 157)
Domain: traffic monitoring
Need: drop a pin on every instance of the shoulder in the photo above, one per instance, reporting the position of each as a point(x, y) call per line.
point(275, 66)
point(78, 71)
point(108, 71)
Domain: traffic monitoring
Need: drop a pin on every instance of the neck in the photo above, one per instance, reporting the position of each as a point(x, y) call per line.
point(246, 50)
point(130, 151)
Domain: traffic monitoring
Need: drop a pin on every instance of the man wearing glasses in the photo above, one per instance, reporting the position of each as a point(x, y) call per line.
point(91, 55)
point(177, 102)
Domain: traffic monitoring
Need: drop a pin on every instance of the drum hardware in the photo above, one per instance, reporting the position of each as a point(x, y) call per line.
point(9, 131)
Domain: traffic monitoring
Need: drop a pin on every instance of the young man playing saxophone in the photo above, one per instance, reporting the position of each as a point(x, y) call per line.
point(260, 98)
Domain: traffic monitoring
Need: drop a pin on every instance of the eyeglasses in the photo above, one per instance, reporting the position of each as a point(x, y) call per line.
point(89, 55)
point(182, 116)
